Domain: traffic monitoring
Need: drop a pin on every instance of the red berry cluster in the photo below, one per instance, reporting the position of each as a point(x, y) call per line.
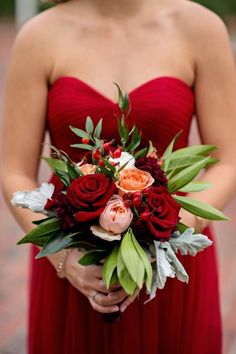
point(115, 153)
point(138, 200)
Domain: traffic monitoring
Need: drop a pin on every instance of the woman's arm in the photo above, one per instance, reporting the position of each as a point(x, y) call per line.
point(23, 133)
point(24, 117)
point(215, 92)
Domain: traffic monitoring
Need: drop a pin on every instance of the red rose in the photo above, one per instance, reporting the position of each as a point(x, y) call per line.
point(164, 213)
point(59, 186)
point(90, 195)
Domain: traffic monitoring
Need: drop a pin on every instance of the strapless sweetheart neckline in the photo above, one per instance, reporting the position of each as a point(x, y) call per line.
point(130, 93)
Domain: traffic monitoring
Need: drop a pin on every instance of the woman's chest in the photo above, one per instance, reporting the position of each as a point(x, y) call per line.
point(128, 56)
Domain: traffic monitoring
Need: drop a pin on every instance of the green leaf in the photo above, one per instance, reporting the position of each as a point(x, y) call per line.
point(73, 172)
point(168, 151)
point(186, 176)
point(98, 129)
point(114, 278)
point(122, 132)
point(89, 125)
point(83, 245)
point(181, 227)
point(123, 100)
point(136, 139)
point(126, 132)
point(146, 262)
point(109, 166)
point(198, 208)
point(55, 244)
point(194, 150)
point(124, 277)
point(150, 148)
point(79, 132)
point(106, 172)
point(185, 161)
point(110, 265)
point(123, 166)
point(56, 164)
point(44, 229)
point(64, 177)
point(38, 222)
point(99, 145)
point(82, 146)
point(195, 186)
point(140, 153)
point(41, 240)
point(92, 257)
point(132, 259)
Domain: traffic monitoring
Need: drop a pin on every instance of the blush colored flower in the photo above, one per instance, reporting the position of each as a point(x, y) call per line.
point(88, 169)
point(133, 180)
point(116, 217)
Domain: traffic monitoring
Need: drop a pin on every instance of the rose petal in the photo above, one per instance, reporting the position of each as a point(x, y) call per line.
point(98, 231)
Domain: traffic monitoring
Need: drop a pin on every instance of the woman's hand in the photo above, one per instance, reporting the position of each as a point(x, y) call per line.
point(88, 280)
point(191, 220)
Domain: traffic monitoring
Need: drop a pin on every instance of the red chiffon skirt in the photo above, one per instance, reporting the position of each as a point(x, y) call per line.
point(182, 319)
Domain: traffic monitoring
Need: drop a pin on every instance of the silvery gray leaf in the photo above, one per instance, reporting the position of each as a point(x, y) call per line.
point(164, 268)
point(34, 200)
point(190, 243)
point(161, 269)
point(175, 234)
point(154, 286)
point(175, 263)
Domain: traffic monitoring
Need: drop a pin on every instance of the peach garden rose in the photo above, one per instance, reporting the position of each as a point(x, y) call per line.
point(133, 180)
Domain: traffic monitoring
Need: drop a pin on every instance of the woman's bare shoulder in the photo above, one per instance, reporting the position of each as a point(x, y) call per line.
point(38, 37)
point(200, 24)
point(42, 26)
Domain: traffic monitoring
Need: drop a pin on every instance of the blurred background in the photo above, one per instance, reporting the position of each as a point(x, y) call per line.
point(14, 260)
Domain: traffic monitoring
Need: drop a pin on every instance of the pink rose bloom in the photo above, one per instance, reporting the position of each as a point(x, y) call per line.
point(87, 169)
point(116, 218)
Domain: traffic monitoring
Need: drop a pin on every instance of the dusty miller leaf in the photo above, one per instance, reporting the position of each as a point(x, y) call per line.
point(164, 268)
point(176, 264)
point(190, 243)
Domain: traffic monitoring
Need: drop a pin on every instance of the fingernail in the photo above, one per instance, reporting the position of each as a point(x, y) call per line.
point(122, 309)
point(115, 309)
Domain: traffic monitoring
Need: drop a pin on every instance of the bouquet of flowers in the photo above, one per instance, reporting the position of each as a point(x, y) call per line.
point(120, 204)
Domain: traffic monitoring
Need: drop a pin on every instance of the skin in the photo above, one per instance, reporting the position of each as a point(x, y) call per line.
point(175, 37)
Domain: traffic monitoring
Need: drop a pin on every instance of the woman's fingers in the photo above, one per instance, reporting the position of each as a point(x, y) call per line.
point(102, 309)
point(113, 298)
point(117, 296)
point(88, 280)
point(128, 301)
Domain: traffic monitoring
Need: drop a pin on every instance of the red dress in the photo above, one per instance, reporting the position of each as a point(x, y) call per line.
point(183, 319)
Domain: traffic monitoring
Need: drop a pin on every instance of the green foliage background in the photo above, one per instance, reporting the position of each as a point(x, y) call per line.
point(222, 7)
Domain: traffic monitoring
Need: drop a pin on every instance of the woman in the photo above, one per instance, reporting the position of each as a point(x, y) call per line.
point(174, 59)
